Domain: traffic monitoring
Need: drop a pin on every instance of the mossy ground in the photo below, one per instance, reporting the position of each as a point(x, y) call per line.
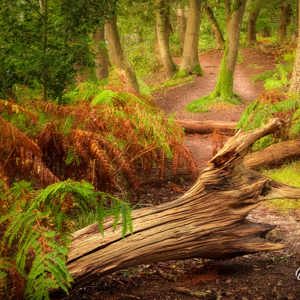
point(206, 103)
point(174, 81)
point(288, 174)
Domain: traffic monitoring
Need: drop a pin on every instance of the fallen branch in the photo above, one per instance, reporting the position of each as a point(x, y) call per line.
point(204, 127)
point(208, 221)
point(273, 155)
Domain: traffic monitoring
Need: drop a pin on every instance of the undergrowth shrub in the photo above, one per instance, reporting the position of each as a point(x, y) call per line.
point(272, 104)
point(279, 77)
point(111, 138)
point(35, 228)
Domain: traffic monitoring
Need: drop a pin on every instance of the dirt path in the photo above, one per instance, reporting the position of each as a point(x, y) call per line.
point(174, 100)
point(253, 62)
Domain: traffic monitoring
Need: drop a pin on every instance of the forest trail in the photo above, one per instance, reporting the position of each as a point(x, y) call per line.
point(252, 62)
point(173, 100)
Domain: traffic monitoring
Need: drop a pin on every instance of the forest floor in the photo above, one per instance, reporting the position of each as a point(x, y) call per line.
point(257, 276)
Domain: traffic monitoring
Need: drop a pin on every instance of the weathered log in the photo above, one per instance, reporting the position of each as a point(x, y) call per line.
point(273, 155)
point(208, 221)
point(204, 127)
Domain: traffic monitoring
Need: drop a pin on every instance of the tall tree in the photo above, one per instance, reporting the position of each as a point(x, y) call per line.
point(181, 24)
point(224, 87)
point(215, 27)
point(100, 53)
point(253, 15)
point(116, 53)
point(285, 18)
point(295, 80)
point(162, 34)
point(234, 12)
point(190, 58)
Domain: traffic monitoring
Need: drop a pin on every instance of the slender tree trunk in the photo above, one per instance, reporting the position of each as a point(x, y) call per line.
point(215, 27)
point(224, 86)
point(254, 13)
point(162, 34)
point(297, 17)
point(285, 18)
point(181, 24)
point(208, 221)
point(100, 53)
point(295, 80)
point(116, 54)
point(44, 13)
point(190, 59)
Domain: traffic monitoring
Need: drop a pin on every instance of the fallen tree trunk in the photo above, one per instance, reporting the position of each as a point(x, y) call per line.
point(273, 155)
point(208, 221)
point(204, 127)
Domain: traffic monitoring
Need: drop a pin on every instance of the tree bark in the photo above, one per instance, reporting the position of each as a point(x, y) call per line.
point(208, 221)
point(220, 42)
point(116, 54)
point(100, 53)
point(190, 59)
point(273, 155)
point(285, 18)
point(295, 80)
point(45, 71)
point(254, 13)
point(204, 127)
point(181, 24)
point(162, 34)
point(224, 86)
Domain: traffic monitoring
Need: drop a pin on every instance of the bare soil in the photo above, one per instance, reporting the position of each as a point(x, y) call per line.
point(258, 276)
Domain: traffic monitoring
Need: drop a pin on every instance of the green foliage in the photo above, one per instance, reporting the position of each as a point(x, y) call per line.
point(287, 174)
point(85, 91)
point(260, 112)
point(37, 227)
point(180, 78)
point(103, 97)
point(42, 45)
point(206, 103)
point(279, 77)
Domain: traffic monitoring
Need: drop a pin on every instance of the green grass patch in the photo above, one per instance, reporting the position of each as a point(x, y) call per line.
point(205, 104)
point(177, 80)
point(287, 174)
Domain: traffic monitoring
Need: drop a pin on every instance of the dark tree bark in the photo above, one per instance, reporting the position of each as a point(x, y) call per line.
point(254, 13)
point(204, 127)
point(295, 80)
point(224, 86)
point(220, 42)
point(45, 71)
point(100, 53)
point(116, 54)
point(181, 24)
point(190, 58)
point(273, 155)
point(285, 18)
point(208, 221)
point(162, 34)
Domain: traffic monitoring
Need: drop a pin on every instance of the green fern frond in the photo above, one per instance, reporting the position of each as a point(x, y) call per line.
point(41, 242)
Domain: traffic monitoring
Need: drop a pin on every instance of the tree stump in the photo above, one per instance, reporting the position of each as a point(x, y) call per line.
point(208, 221)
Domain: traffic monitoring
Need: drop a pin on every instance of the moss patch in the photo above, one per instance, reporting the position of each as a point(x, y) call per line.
point(174, 81)
point(205, 104)
point(288, 174)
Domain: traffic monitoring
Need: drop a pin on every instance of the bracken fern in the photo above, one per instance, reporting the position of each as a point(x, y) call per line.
point(36, 232)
